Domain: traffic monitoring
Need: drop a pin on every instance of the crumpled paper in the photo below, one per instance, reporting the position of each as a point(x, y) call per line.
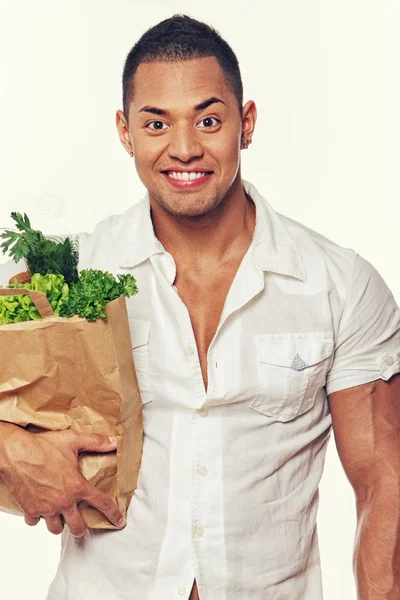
point(58, 373)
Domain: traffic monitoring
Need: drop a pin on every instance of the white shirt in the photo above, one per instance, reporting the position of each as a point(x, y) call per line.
point(228, 486)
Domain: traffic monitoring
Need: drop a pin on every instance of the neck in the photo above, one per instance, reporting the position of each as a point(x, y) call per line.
point(213, 238)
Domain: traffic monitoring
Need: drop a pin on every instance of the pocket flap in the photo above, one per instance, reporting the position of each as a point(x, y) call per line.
point(294, 350)
point(140, 331)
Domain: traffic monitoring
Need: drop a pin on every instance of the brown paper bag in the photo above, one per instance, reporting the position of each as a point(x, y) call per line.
point(58, 373)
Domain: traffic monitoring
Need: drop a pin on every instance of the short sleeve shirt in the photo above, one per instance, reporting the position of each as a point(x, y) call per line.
point(228, 486)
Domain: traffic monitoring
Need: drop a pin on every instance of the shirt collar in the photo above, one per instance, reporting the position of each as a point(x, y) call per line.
point(274, 248)
point(137, 239)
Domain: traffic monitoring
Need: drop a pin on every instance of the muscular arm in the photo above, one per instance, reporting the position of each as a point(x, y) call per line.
point(366, 424)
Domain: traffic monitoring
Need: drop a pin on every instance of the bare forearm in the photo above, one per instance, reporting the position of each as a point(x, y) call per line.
point(377, 545)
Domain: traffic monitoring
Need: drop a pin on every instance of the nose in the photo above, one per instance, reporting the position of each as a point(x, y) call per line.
point(184, 144)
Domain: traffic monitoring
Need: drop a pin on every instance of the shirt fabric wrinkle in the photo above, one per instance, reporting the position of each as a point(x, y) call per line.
point(228, 486)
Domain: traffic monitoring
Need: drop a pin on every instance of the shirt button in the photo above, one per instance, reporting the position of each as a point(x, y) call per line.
point(389, 360)
point(199, 531)
point(202, 471)
point(189, 350)
point(203, 412)
point(182, 591)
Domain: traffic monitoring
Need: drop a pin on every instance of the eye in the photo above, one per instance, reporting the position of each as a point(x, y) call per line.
point(158, 125)
point(208, 122)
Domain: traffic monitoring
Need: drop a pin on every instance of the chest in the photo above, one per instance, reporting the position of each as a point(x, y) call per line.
point(204, 298)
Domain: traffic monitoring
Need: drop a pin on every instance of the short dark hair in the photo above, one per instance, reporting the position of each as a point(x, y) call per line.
point(181, 38)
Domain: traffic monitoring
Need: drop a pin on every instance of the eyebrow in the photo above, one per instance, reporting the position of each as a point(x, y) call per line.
point(163, 112)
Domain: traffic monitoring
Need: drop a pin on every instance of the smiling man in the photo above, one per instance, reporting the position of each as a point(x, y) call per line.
point(252, 335)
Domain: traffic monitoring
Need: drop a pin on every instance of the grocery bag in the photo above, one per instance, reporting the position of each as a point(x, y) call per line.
point(59, 373)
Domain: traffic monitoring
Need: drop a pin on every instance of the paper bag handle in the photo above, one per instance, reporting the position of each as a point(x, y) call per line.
point(39, 299)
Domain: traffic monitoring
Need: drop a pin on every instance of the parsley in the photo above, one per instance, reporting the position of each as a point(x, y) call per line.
point(88, 297)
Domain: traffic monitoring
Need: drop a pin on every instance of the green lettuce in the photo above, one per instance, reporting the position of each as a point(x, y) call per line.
point(14, 309)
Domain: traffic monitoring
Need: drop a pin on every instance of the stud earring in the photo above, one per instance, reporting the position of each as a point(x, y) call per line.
point(131, 154)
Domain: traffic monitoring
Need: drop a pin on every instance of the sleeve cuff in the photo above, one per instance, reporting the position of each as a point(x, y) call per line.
point(390, 365)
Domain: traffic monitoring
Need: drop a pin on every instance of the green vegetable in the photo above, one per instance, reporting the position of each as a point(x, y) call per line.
point(14, 309)
point(54, 265)
point(42, 255)
point(88, 297)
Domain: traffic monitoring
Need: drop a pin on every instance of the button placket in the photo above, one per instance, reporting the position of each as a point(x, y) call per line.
point(199, 531)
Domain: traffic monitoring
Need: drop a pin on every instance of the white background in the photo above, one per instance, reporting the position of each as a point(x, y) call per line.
point(324, 76)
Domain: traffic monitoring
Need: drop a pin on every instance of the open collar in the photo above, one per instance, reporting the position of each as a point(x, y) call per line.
point(274, 248)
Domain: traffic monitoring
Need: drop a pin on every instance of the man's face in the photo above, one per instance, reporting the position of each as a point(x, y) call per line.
point(184, 122)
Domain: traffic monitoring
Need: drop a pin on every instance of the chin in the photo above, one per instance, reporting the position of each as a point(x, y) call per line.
point(186, 206)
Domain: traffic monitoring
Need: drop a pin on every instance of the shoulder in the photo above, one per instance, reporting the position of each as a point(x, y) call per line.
point(345, 272)
point(9, 269)
point(325, 261)
point(313, 243)
point(111, 227)
point(100, 248)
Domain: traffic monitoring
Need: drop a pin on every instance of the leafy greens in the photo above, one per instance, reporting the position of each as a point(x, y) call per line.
point(14, 309)
point(88, 297)
point(42, 255)
point(54, 265)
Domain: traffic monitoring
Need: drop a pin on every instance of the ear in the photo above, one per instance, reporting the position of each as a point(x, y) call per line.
point(249, 118)
point(123, 131)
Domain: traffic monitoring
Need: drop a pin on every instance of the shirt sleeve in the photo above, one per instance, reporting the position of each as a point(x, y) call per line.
point(9, 269)
point(368, 339)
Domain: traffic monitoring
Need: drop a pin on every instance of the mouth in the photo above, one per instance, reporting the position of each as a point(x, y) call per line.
point(187, 180)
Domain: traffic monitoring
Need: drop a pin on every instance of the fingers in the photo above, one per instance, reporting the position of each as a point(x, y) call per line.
point(76, 524)
point(54, 524)
point(105, 504)
point(93, 442)
point(31, 520)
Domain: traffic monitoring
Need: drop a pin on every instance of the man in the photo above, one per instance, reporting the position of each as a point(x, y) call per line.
point(245, 321)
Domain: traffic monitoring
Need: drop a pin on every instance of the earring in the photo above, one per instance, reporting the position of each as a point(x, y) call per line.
point(246, 144)
point(131, 154)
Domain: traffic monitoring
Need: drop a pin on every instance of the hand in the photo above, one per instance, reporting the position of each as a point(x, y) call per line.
point(43, 476)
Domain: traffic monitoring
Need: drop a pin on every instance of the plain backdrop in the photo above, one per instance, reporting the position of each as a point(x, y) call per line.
point(324, 76)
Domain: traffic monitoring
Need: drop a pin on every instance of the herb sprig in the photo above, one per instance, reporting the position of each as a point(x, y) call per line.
point(88, 297)
point(54, 269)
point(42, 255)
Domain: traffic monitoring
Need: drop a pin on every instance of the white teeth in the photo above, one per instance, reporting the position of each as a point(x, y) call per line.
point(185, 176)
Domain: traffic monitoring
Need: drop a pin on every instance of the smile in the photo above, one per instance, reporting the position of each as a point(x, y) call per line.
point(185, 176)
point(184, 179)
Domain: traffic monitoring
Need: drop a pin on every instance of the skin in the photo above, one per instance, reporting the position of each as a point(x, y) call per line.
point(198, 227)
point(366, 424)
point(41, 471)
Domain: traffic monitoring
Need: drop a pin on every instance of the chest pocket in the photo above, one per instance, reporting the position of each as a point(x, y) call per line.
point(140, 333)
point(291, 368)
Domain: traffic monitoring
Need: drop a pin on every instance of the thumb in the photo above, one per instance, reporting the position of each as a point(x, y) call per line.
point(95, 442)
